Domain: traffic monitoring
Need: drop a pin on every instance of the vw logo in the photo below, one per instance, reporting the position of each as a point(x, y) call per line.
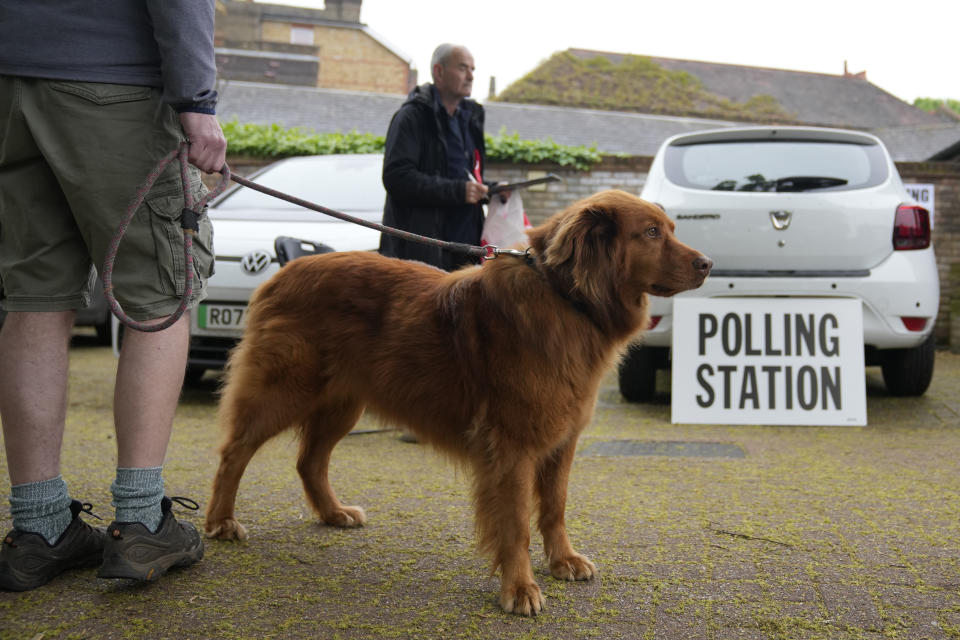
point(780, 219)
point(255, 262)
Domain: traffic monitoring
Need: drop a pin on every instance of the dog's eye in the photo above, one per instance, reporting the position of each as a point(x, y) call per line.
point(653, 232)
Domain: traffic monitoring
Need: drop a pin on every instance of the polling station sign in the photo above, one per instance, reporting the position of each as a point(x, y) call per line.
point(925, 196)
point(768, 361)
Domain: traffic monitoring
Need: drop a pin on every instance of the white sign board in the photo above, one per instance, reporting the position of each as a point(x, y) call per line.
point(768, 361)
point(924, 196)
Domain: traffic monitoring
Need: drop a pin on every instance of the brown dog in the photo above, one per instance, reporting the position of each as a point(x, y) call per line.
point(498, 365)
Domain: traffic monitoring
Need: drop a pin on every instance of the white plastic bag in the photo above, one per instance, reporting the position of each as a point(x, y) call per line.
point(505, 223)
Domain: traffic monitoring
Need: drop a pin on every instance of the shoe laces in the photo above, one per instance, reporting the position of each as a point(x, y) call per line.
point(87, 508)
point(186, 503)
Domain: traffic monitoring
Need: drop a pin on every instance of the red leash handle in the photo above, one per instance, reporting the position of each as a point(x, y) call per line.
point(188, 222)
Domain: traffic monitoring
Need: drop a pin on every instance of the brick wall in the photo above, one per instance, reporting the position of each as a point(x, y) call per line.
point(349, 57)
point(628, 174)
point(945, 176)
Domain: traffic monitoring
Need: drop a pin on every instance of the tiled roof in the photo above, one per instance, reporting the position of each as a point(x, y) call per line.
point(816, 98)
point(922, 142)
point(610, 131)
point(329, 110)
point(325, 110)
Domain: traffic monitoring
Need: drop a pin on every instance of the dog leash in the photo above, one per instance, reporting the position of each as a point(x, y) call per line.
point(189, 222)
point(486, 252)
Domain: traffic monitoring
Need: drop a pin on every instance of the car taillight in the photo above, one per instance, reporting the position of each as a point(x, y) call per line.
point(654, 321)
point(911, 228)
point(914, 324)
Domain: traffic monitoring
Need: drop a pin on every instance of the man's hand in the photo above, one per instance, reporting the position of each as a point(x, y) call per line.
point(475, 192)
point(208, 147)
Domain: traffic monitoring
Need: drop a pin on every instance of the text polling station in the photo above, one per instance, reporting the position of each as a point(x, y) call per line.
point(768, 361)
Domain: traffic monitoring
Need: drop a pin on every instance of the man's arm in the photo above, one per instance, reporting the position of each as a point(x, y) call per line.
point(183, 30)
point(184, 33)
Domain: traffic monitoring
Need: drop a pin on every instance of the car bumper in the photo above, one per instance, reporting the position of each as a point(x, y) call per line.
point(904, 285)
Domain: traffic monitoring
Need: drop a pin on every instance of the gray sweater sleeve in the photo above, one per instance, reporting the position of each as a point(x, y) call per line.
point(183, 30)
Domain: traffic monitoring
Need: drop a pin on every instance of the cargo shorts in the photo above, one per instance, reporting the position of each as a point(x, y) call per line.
point(72, 156)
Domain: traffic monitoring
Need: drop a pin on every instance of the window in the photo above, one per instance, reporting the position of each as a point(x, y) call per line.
point(300, 34)
point(784, 165)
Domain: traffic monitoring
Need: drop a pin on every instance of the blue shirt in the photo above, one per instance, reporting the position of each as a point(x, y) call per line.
point(460, 222)
point(460, 148)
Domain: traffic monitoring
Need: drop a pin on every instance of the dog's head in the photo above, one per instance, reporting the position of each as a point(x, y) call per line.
point(609, 250)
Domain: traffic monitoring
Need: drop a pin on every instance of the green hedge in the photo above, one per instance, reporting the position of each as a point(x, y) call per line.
point(274, 141)
point(506, 148)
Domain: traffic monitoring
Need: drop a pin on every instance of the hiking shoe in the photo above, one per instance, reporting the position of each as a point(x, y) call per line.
point(28, 561)
point(133, 552)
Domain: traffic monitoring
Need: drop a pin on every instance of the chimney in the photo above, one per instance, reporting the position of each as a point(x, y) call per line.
point(343, 10)
point(860, 75)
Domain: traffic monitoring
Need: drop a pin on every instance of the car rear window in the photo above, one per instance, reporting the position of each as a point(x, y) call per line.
point(780, 165)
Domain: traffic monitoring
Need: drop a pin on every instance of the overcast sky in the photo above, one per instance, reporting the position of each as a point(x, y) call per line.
point(908, 49)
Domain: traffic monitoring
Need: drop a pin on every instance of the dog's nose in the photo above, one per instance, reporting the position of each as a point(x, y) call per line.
point(704, 264)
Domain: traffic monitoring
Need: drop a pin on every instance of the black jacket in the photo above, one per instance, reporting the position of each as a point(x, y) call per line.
point(418, 193)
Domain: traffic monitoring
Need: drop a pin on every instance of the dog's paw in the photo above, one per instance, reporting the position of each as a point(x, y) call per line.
point(346, 517)
point(226, 529)
point(523, 599)
point(572, 567)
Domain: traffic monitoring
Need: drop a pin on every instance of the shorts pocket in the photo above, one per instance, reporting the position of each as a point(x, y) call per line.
point(203, 256)
point(103, 93)
point(166, 211)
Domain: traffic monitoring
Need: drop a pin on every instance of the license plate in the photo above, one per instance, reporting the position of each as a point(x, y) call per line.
point(222, 316)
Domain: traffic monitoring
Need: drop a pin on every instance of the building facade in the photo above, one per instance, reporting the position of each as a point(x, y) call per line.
point(328, 48)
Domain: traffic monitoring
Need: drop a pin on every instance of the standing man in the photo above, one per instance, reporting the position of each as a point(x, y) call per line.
point(92, 95)
point(434, 143)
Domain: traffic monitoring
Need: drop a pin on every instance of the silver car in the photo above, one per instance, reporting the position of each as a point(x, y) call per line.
point(799, 212)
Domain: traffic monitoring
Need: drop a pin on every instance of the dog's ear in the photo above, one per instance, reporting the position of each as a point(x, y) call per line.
point(581, 248)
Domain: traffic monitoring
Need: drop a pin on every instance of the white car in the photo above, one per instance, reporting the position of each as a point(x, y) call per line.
point(249, 227)
point(798, 212)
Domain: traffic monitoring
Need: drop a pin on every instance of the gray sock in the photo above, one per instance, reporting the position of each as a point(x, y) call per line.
point(41, 507)
point(137, 494)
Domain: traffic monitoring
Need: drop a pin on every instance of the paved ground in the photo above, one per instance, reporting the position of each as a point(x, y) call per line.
point(710, 532)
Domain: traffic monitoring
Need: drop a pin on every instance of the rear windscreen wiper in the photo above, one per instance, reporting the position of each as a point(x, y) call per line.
point(808, 183)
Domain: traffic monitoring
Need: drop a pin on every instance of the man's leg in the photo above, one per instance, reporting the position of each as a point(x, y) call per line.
point(146, 540)
point(48, 537)
point(149, 379)
point(34, 349)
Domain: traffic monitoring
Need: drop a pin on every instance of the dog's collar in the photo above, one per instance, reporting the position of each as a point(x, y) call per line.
point(531, 260)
